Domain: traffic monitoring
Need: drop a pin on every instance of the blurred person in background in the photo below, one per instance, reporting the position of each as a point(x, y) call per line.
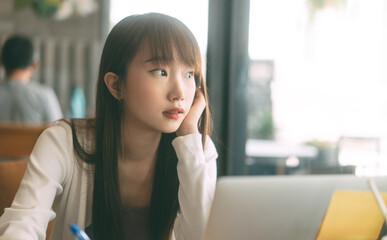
point(23, 101)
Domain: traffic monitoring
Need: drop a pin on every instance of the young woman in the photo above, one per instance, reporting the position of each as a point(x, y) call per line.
point(145, 167)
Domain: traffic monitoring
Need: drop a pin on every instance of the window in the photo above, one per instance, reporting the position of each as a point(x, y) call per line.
point(317, 78)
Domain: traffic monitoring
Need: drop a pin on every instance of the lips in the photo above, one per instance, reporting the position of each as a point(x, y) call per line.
point(175, 113)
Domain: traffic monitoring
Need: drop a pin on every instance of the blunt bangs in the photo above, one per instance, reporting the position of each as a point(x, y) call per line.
point(170, 40)
point(167, 38)
point(168, 35)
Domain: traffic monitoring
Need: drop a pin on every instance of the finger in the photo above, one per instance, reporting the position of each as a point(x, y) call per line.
point(199, 103)
point(199, 97)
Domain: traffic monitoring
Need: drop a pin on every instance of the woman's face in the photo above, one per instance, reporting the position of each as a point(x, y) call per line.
point(157, 97)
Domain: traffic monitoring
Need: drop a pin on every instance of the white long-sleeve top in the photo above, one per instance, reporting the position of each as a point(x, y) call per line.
point(56, 185)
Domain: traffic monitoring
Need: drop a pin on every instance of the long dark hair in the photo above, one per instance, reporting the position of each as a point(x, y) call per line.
point(162, 34)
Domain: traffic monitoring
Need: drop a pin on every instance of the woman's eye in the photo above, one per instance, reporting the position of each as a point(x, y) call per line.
point(189, 74)
point(160, 72)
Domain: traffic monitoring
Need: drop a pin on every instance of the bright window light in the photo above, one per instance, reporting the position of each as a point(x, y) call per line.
point(193, 13)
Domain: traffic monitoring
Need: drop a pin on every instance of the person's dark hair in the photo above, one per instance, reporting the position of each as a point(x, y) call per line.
point(17, 53)
point(161, 34)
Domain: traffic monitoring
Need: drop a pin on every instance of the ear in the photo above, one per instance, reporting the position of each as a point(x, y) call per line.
point(112, 83)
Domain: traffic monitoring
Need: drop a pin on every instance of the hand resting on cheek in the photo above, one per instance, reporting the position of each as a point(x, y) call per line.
point(190, 123)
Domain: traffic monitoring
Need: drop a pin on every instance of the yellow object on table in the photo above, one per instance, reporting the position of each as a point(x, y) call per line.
point(352, 216)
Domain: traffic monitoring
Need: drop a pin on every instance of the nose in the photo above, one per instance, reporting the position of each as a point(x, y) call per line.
point(176, 92)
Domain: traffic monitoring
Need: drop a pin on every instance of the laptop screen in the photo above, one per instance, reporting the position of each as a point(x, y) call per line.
point(276, 207)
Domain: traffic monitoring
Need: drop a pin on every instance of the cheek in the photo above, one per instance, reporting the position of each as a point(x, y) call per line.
point(142, 95)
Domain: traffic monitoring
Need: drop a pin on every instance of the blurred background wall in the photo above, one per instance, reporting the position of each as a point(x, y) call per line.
point(68, 35)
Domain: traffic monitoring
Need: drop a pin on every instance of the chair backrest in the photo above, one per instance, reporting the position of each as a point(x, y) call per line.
point(11, 174)
point(17, 140)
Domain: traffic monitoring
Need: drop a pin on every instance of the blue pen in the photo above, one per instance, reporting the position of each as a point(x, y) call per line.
point(78, 232)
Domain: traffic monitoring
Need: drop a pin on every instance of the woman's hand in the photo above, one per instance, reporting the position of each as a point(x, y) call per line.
point(190, 123)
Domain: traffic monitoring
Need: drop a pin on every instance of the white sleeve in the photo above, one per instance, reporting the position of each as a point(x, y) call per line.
point(46, 171)
point(196, 170)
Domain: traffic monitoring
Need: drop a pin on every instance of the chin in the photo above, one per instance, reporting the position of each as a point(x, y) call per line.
point(170, 129)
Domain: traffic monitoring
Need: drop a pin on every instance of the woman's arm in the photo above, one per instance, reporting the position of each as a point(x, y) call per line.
point(196, 170)
point(45, 174)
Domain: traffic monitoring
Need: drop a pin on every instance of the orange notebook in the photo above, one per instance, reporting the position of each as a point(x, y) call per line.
point(352, 216)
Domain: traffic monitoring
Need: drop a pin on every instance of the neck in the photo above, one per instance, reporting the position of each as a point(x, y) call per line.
point(139, 145)
point(20, 75)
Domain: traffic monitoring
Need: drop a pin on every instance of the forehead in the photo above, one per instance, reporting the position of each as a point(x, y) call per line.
point(146, 55)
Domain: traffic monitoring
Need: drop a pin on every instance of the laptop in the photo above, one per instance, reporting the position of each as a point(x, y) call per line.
point(276, 207)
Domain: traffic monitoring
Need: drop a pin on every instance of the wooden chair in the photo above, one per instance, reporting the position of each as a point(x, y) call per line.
point(17, 140)
point(11, 173)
